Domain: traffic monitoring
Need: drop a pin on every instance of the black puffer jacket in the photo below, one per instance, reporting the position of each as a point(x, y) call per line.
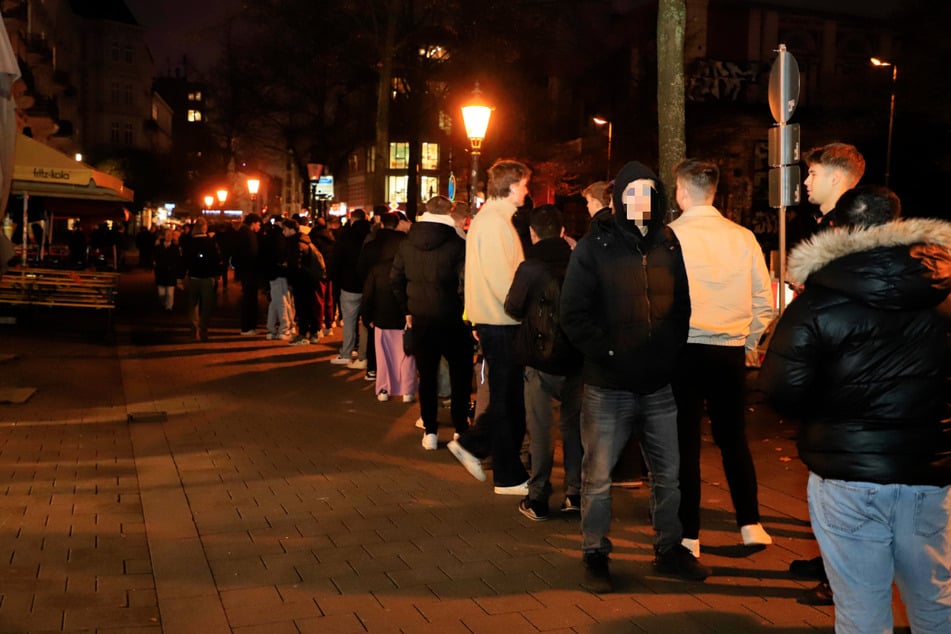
point(625, 303)
point(346, 255)
point(861, 355)
point(428, 271)
point(380, 306)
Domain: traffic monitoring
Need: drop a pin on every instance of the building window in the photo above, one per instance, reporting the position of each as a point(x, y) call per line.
point(399, 155)
point(194, 95)
point(128, 136)
point(114, 134)
point(115, 94)
point(371, 159)
point(396, 188)
point(129, 57)
point(353, 162)
point(429, 157)
point(194, 116)
point(428, 187)
point(115, 51)
point(127, 94)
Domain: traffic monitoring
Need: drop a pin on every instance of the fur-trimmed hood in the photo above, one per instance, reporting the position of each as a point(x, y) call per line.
point(880, 265)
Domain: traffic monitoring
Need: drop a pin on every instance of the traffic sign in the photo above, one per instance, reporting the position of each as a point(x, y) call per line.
point(783, 148)
point(783, 86)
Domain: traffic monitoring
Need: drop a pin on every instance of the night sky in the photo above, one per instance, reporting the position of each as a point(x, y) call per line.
point(177, 27)
point(192, 27)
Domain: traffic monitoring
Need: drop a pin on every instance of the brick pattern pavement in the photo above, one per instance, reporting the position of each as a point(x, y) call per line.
point(277, 495)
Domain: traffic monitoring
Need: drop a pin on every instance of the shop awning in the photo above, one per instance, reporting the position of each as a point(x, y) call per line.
point(39, 170)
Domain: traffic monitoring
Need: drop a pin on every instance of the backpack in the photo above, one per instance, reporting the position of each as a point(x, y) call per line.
point(537, 336)
point(312, 262)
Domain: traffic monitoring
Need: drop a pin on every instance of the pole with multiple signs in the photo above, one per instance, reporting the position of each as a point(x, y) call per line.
point(783, 151)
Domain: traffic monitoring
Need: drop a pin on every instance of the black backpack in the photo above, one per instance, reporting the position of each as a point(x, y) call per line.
point(312, 262)
point(535, 344)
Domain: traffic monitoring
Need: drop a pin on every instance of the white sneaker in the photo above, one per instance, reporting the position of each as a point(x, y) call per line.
point(383, 396)
point(755, 535)
point(358, 364)
point(409, 398)
point(340, 361)
point(470, 462)
point(429, 442)
point(421, 425)
point(515, 489)
point(455, 435)
point(693, 545)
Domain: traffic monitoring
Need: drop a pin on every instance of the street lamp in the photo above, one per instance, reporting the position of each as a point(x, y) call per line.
point(475, 115)
point(891, 114)
point(254, 186)
point(209, 201)
point(600, 122)
point(222, 197)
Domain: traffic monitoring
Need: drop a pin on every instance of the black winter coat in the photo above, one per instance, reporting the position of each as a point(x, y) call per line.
point(168, 263)
point(380, 306)
point(346, 255)
point(544, 261)
point(428, 272)
point(861, 355)
point(625, 303)
point(245, 256)
point(201, 257)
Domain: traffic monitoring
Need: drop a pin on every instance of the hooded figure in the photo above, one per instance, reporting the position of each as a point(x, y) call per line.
point(625, 302)
point(625, 305)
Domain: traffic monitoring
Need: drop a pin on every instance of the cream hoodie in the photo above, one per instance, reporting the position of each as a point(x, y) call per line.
point(493, 253)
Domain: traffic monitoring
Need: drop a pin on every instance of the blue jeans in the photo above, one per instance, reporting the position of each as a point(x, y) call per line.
point(608, 419)
point(541, 389)
point(350, 313)
point(871, 534)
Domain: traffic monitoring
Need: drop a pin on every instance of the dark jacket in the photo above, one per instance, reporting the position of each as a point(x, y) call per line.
point(168, 264)
point(245, 255)
point(297, 245)
point(273, 252)
point(861, 355)
point(380, 306)
point(346, 255)
point(428, 272)
point(324, 240)
point(545, 261)
point(625, 303)
point(201, 257)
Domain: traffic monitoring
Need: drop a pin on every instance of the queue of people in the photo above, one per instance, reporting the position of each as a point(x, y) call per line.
point(639, 329)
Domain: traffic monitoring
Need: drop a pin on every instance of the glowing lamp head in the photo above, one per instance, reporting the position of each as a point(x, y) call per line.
point(209, 201)
point(222, 195)
point(254, 185)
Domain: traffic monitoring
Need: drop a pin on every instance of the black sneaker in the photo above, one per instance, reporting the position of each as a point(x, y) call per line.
point(370, 375)
point(535, 510)
point(597, 577)
point(572, 504)
point(679, 562)
point(821, 594)
point(808, 569)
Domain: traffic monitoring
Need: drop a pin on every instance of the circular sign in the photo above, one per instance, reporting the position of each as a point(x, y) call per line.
point(783, 86)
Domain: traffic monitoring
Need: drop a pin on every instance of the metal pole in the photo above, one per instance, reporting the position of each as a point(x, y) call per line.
point(474, 182)
point(891, 125)
point(610, 136)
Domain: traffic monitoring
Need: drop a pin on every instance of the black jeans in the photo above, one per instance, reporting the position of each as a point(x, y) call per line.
point(250, 288)
point(717, 375)
point(501, 427)
point(432, 341)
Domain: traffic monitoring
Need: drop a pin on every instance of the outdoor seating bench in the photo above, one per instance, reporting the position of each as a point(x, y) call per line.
point(56, 287)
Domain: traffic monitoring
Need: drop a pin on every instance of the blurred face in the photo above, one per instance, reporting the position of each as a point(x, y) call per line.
point(822, 186)
point(637, 202)
point(518, 192)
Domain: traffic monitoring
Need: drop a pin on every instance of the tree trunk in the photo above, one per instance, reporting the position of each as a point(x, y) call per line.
point(671, 134)
point(378, 193)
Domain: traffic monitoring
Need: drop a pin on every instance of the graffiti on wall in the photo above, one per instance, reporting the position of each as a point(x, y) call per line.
point(718, 80)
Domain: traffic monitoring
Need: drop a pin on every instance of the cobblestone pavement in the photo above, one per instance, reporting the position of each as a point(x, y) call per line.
point(156, 484)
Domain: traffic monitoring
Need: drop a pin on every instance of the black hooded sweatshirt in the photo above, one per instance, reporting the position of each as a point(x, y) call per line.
point(625, 303)
point(428, 271)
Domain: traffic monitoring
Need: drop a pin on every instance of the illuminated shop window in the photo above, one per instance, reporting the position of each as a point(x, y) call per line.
point(399, 156)
point(396, 187)
point(429, 156)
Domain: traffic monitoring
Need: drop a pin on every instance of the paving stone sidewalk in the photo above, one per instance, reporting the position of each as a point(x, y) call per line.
point(258, 488)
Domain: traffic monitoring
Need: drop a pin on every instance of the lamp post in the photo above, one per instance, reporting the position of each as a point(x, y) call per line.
point(209, 201)
point(475, 115)
point(601, 122)
point(222, 195)
point(891, 114)
point(254, 186)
